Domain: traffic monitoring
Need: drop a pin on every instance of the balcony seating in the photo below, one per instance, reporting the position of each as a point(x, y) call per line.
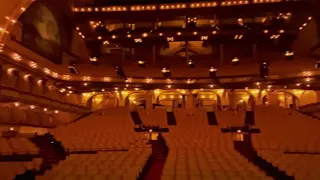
point(14, 115)
point(154, 117)
point(230, 118)
point(205, 153)
point(289, 140)
point(200, 151)
point(285, 130)
point(103, 165)
point(18, 146)
point(112, 131)
point(9, 170)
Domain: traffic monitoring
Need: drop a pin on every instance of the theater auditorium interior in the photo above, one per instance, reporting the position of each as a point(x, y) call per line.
point(159, 90)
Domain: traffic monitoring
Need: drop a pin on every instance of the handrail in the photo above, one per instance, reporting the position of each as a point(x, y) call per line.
point(81, 117)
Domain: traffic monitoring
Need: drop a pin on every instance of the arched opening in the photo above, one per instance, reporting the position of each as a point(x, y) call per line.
point(171, 99)
point(265, 100)
point(245, 100)
point(240, 104)
point(285, 99)
point(209, 100)
point(103, 100)
point(135, 99)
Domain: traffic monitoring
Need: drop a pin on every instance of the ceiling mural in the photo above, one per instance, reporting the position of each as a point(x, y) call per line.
point(45, 30)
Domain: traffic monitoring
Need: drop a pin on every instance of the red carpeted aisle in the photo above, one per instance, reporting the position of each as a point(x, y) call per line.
point(159, 155)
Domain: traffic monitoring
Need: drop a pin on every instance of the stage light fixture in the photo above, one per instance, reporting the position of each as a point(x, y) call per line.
point(166, 72)
point(191, 64)
point(141, 64)
point(264, 69)
point(235, 61)
point(213, 72)
point(289, 55)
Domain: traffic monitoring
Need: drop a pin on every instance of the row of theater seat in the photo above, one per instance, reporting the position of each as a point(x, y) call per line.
point(18, 146)
point(9, 170)
point(15, 115)
point(112, 131)
point(208, 164)
point(300, 166)
point(153, 117)
point(289, 140)
point(199, 151)
point(113, 165)
point(158, 117)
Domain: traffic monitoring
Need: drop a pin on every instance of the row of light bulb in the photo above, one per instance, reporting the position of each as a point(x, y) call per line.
point(17, 57)
point(17, 104)
point(179, 33)
point(154, 7)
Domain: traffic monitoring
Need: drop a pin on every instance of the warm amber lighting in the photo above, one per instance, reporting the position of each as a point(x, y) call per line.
point(289, 53)
point(170, 38)
point(214, 32)
point(138, 40)
point(113, 36)
point(10, 70)
point(212, 69)
point(106, 79)
point(16, 57)
point(179, 33)
point(145, 35)
point(16, 104)
point(56, 111)
point(32, 107)
point(203, 38)
point(148, 80)
point(93, 59)
point(45, 109)
point(105, 42)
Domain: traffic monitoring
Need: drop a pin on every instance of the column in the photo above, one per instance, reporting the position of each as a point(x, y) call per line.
point(187, 52)
point(254, 51)
point(318, 96)
point(285, 99)
point(123, 55)
point(153, 55)
point(221, 53)
point(190, 101)
point(232, 100)
point(183, 101)
point(149, 97)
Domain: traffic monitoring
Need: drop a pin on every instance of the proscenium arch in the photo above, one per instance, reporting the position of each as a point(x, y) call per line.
point(89, 100)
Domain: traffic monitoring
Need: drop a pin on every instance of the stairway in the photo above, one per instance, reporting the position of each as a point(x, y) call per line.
point(211, 117)
point(157, 160)
point(171, 119)
point(51, 151)
point(245, 149)
point(135, 117)
point(249, 119)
